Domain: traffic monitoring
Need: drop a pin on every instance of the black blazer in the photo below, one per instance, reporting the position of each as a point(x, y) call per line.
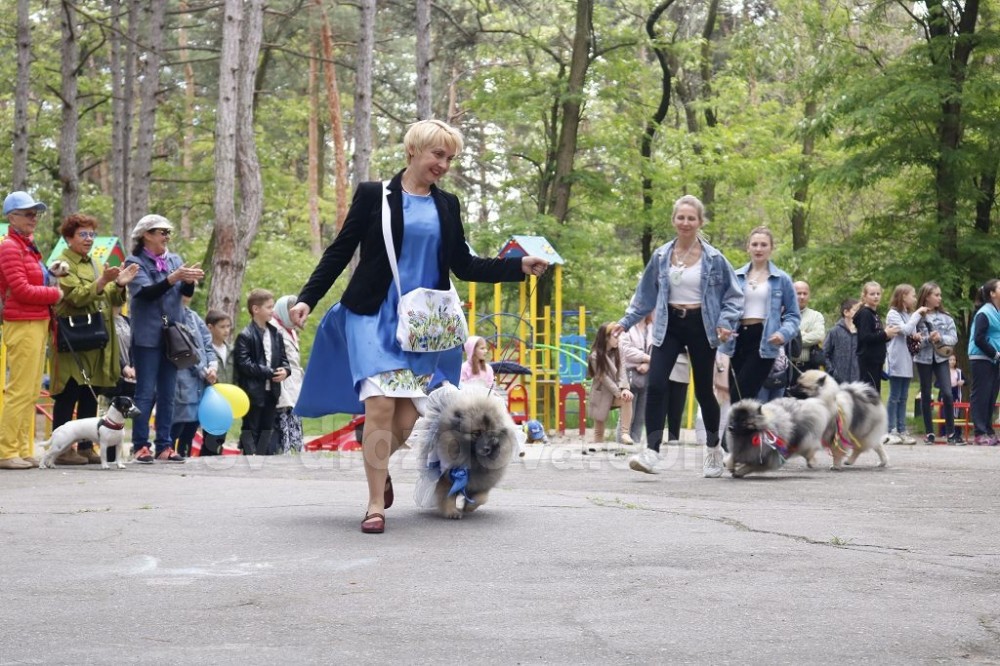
point(250, 371)
point(372, 278)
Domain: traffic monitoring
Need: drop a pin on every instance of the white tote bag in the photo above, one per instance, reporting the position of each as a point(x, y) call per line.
point(430, 320)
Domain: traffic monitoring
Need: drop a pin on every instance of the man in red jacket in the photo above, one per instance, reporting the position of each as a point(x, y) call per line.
point(26, 302)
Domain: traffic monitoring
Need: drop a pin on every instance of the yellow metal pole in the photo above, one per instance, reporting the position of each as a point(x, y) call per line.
point(472, 308)
point(527, 355)
point(497, 309)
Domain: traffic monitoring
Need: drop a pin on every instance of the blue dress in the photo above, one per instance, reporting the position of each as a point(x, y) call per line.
point(350, 348)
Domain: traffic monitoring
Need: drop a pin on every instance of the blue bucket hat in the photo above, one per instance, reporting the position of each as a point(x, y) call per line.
point(21, 201)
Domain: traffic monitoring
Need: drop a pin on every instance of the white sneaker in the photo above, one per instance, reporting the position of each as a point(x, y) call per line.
point(645, 461)
point(712, 467)
point(907, 438)
point(626, 440)
point(893, 438)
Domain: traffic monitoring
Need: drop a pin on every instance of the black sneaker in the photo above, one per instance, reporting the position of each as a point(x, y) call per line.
point(929, 439)
point(143, 456)
point(955, 439)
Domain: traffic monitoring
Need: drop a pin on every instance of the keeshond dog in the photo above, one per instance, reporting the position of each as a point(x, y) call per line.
point(469, 439)
point(762, 437)
point(857, 418)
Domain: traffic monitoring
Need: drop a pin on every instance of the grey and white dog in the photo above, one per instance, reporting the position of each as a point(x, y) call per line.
point(857, 418)
point(106, 431)
point(762, 437)
point(468, 439)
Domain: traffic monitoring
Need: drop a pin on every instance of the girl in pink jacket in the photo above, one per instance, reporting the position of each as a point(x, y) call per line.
point(475, 368)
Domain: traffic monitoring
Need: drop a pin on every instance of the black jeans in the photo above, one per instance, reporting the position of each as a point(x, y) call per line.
point(747, 369)
point(676, 399)
point(985, 384)
point(78, 397)
point(255, 433)
point(928, 373)
point(183, 433)
point(870, 373)
point(685, 329)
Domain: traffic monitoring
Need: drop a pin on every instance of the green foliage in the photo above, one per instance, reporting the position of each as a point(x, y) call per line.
point(873, 199)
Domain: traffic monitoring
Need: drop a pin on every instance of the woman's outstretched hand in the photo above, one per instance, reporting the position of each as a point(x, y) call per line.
point(533, 265)
point(298, 314)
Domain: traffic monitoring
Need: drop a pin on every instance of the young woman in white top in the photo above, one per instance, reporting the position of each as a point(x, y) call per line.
point(692, 289)
point(770, 318)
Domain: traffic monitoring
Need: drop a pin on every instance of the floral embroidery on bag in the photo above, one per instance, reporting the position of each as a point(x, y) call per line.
point(435, 324)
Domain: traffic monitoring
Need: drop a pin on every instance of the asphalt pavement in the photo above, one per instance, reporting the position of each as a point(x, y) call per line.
point(574, 559)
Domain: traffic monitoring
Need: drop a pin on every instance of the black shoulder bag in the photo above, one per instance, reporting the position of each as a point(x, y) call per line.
point(181, 348)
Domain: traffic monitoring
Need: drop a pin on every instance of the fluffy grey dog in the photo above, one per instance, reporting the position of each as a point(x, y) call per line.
point(467, 438)
point(762, 437)
point(857, 420)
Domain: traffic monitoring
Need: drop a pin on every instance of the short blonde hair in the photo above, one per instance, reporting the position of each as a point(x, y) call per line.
point(429, 133)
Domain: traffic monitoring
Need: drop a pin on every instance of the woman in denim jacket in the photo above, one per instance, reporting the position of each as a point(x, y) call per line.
point(155, 295)
point(770, 318)
point(936, 326)
point(697, 302)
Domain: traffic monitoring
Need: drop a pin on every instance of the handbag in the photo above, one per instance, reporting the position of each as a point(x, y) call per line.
point(430, 320)
point(940, 348)
point(181, 348)
point(778, 376)
point(638, 380)
point(913, 345)
point(80, 333)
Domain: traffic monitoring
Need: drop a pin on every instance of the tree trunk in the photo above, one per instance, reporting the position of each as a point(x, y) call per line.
point(423, 59)
point(21, 91)
point(652, 125)
point(947, 179)
point(363, 93)
point(122, 77)
point(800, 234)
point(236, 161)
point(142, 166)
point(70, 48)
point(336, 123)
point(571, 106)
point(225, 232)
point(312, 178)
point(187, 143)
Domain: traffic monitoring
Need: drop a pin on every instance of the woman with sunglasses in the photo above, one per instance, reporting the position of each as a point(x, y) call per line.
point(27, 299)
point(156, 295)
point(77, 376)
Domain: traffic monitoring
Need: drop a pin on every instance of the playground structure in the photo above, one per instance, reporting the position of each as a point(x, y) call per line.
point(554, 364)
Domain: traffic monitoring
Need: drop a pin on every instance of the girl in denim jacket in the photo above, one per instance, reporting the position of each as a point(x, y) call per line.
point(936, 327)
point(697, 301)
point(769, 320)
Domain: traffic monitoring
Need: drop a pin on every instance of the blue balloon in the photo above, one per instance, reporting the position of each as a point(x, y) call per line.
point(214, 412)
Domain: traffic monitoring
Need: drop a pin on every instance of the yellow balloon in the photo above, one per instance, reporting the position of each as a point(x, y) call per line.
point(236, 397)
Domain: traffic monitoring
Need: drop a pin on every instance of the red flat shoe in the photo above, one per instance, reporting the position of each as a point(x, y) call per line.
point(388, 497)
point(374, 523)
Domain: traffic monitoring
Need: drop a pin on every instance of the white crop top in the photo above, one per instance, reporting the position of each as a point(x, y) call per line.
point(755, 300)
point(686, 289)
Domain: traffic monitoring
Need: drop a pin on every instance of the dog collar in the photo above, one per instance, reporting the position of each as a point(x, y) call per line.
point(110, 425)
point(769, 439)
